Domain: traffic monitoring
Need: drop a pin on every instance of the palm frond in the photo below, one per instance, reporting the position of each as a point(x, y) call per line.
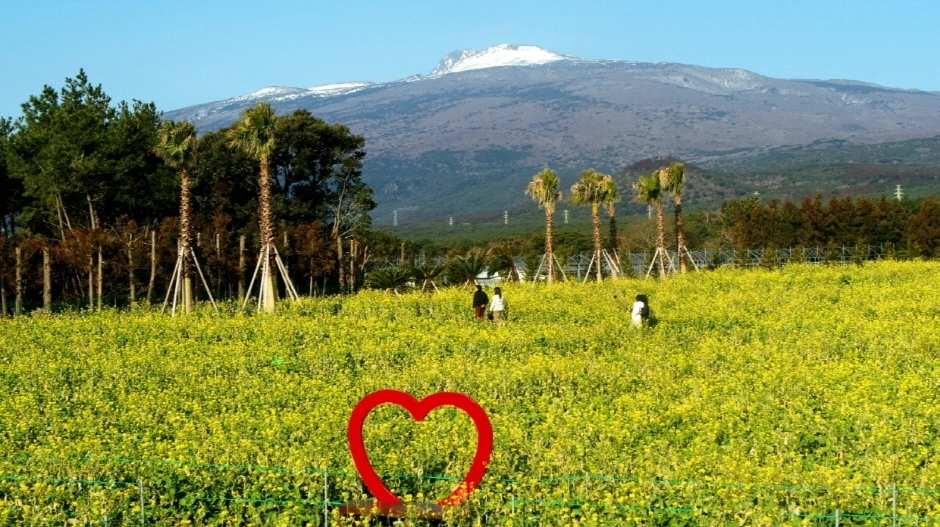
point(176, 143)
point(674, 179)
point(649, 189)
point(595, 189)
point(391, 279)
point(254, 134)
point(465, 269)
point(544, 189)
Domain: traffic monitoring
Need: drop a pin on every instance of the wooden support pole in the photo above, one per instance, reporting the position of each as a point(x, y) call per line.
point(241, 266)
point(46, 279)
point(18, 285)
point(153, 263)
point(100, 278)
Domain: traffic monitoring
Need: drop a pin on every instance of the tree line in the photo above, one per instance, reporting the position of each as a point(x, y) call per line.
point(910, 228)
point(101, 190)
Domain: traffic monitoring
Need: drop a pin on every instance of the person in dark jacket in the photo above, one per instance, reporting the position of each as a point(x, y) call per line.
point(479, 303)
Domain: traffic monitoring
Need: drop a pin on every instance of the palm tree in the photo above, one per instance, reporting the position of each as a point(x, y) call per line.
point(254, 134)
point(675, 181)
point(649, 190)
point(465, 269)
point(595, 190)
point(390, 279)
point(502, 260)
point(544, 189)
point(176, 144)
point(426, 273)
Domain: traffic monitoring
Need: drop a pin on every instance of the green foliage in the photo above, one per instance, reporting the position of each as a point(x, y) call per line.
point(649, 189)
point(674, 181)
point(544, 190)
point(255, 133)
point(392, 279)
point(177, 144)
point(11, 197)
point(465, 269)
point(319, 167)
point(83, 161)
point(427, 274)
point(503, 261)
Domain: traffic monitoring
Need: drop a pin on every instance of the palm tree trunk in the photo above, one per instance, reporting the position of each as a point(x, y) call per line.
point(549, 255)
point(680, 236)
point(612, 232)
point(185, 235)
point(267, 234)
point(661, 239)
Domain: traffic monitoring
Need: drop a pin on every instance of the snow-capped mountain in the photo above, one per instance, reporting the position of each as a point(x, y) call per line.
point(495, 57)
point(492, 57)
point(482, 122)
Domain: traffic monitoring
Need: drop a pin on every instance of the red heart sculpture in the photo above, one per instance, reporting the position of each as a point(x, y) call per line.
point(419, 410)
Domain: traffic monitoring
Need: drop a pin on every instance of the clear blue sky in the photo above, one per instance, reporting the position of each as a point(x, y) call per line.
point(179, 53)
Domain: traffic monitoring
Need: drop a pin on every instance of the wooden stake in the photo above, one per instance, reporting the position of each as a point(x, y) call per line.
point(130, 270)
point(18, 284)
point(153, 263)
point(91, 283)
point(46, 279)
point(100, 278)
point(241, 266)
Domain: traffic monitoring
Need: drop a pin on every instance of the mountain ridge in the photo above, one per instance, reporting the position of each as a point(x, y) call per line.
point(490, 119)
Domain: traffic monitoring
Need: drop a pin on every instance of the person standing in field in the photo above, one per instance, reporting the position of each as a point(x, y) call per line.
point(640, 314)
point(498, 306)
point(479, 302)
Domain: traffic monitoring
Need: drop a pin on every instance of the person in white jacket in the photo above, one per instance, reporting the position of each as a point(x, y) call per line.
point(498, 306)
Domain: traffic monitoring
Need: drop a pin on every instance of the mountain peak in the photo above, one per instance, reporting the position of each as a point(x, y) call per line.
point(494, 57)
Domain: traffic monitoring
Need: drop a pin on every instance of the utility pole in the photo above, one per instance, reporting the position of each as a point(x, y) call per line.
point(566, 216)
point(898, 193)
point(394, 218)
point(505, 217)
point(451, 221)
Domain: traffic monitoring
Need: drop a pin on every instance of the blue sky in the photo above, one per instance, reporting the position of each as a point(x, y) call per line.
point(177, 53)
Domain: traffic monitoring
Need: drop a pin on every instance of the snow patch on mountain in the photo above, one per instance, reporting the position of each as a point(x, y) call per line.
point(494, 57)
point(341, 88)
point(271, 92)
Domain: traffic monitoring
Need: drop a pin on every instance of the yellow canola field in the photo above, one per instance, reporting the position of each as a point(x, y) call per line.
point(759, 398)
